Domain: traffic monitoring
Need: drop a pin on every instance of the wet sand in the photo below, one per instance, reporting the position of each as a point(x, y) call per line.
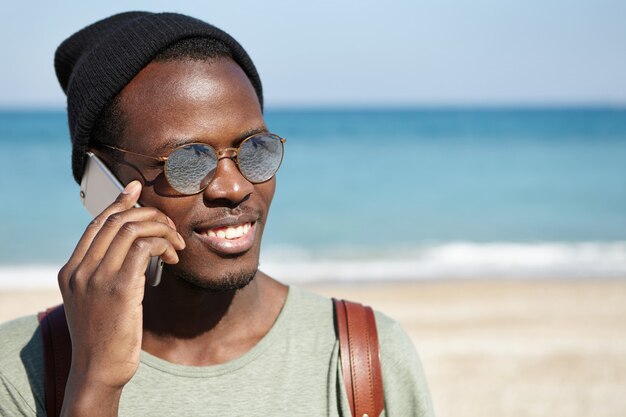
point(492, 348)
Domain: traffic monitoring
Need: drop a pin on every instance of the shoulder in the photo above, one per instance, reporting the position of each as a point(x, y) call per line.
point(393, 339)
point(404, 381)
point(18, 337)
point(21, 364)
point(309, 315)
point(308, 302)
point(317, 311)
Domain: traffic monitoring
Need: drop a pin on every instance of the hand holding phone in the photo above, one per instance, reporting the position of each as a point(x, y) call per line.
point(98, 189)
point(103, 288)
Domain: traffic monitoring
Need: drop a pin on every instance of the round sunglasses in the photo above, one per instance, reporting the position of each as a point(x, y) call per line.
point(190, 168)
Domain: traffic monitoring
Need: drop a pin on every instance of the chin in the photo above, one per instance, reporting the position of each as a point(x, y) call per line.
point(206, 269)
point(216, 280)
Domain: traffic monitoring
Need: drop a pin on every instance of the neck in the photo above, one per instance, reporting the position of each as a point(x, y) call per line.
point(179, 309)
point(189, 325)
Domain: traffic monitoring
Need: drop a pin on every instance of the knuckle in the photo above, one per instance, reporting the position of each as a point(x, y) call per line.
point(64, 274)
point(95, 223)
point(155, 213)
point(115, 219)
point(141, 245)
point(78, 275)
point(129, 228)
point(99, 281)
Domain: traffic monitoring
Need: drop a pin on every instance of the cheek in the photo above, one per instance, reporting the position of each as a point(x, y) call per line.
point(176, 207)
point(266, 191)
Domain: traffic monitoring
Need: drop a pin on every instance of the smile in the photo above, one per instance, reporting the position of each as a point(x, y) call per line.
point(230, 232)
point(228, 240)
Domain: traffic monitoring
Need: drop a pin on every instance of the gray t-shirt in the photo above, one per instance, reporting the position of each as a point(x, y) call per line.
point(293, 371)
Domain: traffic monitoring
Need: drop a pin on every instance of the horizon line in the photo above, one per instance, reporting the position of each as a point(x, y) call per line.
point(19, 108)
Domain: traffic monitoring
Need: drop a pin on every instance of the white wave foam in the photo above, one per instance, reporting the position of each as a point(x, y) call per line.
point(454, 260)
point(449, 261)
point(28, 277)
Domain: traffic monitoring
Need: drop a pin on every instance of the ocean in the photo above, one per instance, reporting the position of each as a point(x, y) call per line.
point(377, 194)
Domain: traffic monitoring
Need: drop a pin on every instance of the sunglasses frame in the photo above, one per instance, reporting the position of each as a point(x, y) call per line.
point(226, 153)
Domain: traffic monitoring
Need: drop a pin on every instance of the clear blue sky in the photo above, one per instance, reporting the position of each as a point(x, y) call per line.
point(409, 52)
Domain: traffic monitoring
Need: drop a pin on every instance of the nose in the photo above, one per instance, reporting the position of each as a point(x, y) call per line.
point(228, 187)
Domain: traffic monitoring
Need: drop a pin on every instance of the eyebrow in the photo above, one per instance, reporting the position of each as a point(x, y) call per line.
point(175, 143)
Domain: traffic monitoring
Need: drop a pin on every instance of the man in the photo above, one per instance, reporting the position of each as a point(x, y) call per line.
point(153, 95)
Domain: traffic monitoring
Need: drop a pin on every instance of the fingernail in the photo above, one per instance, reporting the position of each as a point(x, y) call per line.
point(171, 222)
point(181, 239)
point(132, 187)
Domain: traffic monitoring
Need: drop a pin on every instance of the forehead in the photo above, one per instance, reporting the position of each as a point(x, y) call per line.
point(190, 101)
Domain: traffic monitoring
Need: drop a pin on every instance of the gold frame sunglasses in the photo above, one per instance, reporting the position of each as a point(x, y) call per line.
point(190, 168)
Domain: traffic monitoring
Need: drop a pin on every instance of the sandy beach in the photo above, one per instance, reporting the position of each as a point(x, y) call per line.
point(492, 348)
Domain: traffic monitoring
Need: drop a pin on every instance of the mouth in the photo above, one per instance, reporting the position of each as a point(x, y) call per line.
point(230, 232)
point(230, 239)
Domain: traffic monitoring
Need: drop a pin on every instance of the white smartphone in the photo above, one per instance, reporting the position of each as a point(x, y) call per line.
point(98, 189)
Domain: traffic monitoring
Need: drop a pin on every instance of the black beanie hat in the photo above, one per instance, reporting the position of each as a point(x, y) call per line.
point(97, 62)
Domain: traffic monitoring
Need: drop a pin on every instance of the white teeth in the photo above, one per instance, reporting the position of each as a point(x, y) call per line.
point(230, 232)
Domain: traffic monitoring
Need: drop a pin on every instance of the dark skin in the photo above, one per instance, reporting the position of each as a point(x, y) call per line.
point(111, 312)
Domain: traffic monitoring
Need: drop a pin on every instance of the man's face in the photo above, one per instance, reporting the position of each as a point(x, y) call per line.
point(177, 102)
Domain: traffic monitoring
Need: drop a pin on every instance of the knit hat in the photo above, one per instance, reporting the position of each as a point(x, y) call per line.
point(97, 62)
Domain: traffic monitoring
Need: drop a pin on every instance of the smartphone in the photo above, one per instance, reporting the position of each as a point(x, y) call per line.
point(98, 189)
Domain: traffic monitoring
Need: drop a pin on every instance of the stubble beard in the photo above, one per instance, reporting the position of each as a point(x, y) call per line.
point(228, 282)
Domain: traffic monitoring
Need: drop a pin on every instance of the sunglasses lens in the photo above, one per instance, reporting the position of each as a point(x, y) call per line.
point(260, 157)
point(190, 168)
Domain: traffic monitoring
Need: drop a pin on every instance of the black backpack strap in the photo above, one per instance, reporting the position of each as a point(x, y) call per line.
point(360, 359)
point(57, 347)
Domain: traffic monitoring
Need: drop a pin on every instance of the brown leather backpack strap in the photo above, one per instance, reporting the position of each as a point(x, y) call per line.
point(57, 346)
point(360, 359)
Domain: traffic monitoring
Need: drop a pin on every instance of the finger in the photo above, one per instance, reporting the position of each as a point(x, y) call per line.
point(108, 272)
point(122, 245)
point(127, 223)
point(107, 253)
point(133, 269)
point(127, 199)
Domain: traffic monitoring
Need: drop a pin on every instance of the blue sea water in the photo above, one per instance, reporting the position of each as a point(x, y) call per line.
point(459, 188)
